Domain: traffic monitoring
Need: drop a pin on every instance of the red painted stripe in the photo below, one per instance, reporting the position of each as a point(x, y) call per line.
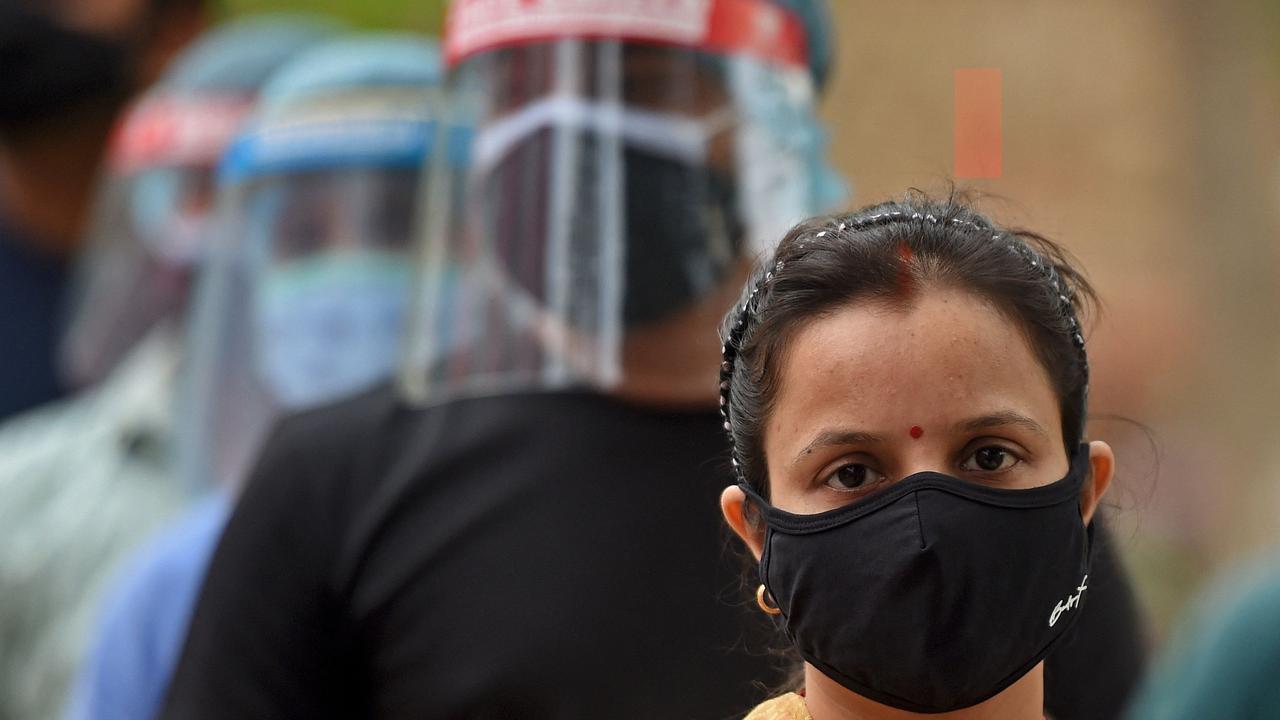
point(979, 104)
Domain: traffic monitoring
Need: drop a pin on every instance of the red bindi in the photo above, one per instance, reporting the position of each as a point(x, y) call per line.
point(916, 432)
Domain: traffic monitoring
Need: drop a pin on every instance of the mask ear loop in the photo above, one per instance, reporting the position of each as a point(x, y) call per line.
point(669, 134)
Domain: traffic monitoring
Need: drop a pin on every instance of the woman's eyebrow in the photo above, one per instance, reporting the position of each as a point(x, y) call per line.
point(997, 419)
point(829, 438)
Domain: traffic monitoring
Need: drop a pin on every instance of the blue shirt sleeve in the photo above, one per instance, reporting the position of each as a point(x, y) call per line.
point(144, 622)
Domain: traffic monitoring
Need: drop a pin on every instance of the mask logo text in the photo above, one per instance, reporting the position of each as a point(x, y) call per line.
point(1072, 601)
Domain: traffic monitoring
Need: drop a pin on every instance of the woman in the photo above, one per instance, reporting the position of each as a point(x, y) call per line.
point(905, 391)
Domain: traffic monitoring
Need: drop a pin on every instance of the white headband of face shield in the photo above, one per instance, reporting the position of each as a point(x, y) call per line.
point(670, 134)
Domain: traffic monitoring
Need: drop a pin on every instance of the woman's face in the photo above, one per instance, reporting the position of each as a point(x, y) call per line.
point(870, 394)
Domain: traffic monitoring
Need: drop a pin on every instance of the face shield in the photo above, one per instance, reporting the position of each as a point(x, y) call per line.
point(304, 303)
point(146, 231)
point(628, 162)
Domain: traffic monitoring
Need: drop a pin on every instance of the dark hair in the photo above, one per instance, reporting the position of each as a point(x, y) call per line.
point(886, 253)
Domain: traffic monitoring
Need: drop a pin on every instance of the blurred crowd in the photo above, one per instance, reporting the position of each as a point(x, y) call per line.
point(371, 374)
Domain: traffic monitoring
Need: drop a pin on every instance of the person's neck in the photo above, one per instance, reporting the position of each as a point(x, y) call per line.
point(676, 363)
point(828, 700)
point(48, 176)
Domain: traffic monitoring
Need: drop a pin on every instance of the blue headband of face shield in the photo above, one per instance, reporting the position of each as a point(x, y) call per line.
point(335, 144)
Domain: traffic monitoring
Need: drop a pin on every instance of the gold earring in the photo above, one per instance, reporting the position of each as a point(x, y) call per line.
point(765, 607)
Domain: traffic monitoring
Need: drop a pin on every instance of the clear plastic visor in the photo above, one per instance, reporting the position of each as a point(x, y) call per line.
point(304, 305)
point(613, 188)
point(146, 235)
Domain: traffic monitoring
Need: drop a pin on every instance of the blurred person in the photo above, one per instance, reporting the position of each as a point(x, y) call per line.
point(149, 231)
point(1222, 661)
point(506, 552)
point(304, 306)
point(905, 389)
point(69, 68)
point(84, 480)
point(525, 526)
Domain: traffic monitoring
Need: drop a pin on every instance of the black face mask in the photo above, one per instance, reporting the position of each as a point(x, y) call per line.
point(935, 594)
point(683, 230)
point(50, 68)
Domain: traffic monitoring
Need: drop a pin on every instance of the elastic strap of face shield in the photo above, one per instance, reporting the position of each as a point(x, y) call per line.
point(673, 135)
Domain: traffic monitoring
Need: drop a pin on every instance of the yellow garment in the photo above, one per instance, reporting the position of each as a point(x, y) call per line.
point(785, 707)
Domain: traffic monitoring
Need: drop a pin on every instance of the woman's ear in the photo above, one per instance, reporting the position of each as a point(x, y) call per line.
point(733, 503)
point(1102, 462)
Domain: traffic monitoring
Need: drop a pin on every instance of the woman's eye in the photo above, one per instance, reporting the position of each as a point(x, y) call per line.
point(853, 477)
point(992, 458)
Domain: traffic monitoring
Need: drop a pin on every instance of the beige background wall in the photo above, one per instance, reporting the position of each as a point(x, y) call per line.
point(1146, 137)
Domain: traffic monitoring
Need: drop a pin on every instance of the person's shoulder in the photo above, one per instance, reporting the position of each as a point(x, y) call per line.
point(334, 431)
point(331, 456)
point(48, 435)
point(1220, 662)
point(179, 552)
point(784, 707)
point(77, 433)
point(337, 419)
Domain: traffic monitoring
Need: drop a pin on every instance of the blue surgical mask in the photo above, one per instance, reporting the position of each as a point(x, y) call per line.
point(329, 325)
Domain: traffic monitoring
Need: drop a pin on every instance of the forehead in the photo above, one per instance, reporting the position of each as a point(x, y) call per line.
point(947, 356)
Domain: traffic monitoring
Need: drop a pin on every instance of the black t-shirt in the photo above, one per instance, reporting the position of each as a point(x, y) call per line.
point(534, 556)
